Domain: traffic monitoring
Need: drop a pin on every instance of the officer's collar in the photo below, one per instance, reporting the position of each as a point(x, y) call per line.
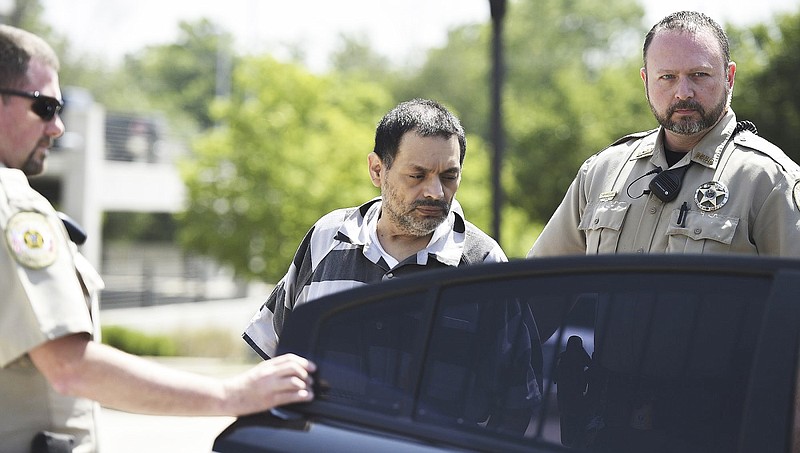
point(707, 151)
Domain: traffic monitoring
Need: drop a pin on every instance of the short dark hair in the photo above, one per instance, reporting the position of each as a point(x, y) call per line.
point(17, 48)
point(425, 117)
point(691, 22)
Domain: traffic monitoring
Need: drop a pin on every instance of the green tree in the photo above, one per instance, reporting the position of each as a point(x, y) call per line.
point(456, 74)
point(293, 147)
point(768, 60)
point(183, 78)
point(572, 87)
point(27, 14)
point(354, 57)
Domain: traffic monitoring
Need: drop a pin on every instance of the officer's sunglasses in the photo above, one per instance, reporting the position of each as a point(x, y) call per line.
point(45, 107)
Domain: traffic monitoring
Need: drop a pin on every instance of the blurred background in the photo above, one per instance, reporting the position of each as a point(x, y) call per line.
point(205, 138)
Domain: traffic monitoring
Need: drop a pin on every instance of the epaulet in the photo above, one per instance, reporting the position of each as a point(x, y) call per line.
point(635, 135)
point(628, 138)
point(15, 190)
point(15, 184)
point(752, 141)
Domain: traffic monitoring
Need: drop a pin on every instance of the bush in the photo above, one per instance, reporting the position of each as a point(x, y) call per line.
point(206, 342)
point(139, 343)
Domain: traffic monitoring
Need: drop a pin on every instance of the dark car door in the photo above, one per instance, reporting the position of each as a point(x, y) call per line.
point(686, 353)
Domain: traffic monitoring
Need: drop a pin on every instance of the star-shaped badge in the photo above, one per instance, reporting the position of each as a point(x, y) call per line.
point(711, 196)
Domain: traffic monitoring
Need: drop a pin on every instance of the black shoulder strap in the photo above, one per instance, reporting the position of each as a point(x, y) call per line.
point(745, 126)
point(76, 232)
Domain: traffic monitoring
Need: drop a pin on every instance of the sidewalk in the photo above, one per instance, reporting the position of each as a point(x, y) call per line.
point(122, 432)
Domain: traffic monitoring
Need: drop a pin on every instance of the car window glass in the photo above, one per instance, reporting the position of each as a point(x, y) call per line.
point(482, 366)
point(665, 362)
point(365, 354)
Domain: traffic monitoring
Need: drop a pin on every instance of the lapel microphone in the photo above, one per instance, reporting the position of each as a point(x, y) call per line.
point(668, 183)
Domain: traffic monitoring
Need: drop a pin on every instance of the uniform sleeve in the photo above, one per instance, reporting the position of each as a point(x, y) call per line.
point(42, 295)
point(777, 225)
point(561, 235)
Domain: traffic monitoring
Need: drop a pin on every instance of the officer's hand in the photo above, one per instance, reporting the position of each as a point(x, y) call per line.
point(275, 382)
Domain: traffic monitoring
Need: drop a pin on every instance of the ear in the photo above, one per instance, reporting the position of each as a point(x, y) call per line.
point(643, 75)
point(376, 170)
point(731, 74)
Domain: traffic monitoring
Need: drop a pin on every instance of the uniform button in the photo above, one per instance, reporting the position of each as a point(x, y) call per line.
point(640, 251)
point(596, 221)
point(652, 210)
point(698, 231)
point(388, 276)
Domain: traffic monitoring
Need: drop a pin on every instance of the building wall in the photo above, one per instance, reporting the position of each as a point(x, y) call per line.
point(91, 171)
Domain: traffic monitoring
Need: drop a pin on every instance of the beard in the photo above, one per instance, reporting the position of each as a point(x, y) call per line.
point(687, 125)
point(34, 164)
point(405, 217)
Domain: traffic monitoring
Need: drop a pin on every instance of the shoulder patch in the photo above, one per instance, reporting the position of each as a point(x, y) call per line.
point(31, 240)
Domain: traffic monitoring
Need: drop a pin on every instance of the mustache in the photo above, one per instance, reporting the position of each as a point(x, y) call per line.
point(686, 104)
point(47, 142)
point(443, 205)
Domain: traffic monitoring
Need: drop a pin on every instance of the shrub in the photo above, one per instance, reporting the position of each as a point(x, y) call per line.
point(138, 343)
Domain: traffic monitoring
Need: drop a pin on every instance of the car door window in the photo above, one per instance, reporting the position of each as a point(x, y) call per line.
point(367, 354)
point(483, 364)
point(669, 356)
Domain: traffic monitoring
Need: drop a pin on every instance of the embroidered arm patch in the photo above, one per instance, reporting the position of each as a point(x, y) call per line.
point(31, 240)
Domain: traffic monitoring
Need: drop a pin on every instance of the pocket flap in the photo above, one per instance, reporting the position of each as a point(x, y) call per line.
point(604, 214)
point(702, 225)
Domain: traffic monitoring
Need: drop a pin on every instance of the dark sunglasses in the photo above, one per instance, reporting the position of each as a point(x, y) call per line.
point(45, 107)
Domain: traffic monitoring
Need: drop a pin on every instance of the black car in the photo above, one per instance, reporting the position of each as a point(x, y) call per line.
point(666, 353)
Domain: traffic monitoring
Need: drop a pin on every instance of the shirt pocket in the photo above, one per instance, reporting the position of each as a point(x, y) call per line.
point(702, 233)
point(602, 223)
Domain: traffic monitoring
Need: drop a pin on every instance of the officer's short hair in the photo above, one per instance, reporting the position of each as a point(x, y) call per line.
point(692, 22)
point(17, 48)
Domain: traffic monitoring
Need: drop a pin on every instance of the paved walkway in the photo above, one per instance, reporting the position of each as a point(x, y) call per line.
point(232, 314)
point(121, 432)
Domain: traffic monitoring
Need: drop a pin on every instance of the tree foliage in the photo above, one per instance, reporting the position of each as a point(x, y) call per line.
point(291, 147)
point(768, 61)
point(183, 78)
point(571, 87)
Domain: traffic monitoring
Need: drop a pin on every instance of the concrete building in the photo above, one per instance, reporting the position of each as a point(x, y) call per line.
point(121, 162)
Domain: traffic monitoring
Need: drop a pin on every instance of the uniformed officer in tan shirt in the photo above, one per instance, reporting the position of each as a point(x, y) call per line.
point(697, 184)
point(52, 366)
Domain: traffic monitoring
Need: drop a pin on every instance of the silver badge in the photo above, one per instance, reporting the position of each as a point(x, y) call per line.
point(711, 196)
